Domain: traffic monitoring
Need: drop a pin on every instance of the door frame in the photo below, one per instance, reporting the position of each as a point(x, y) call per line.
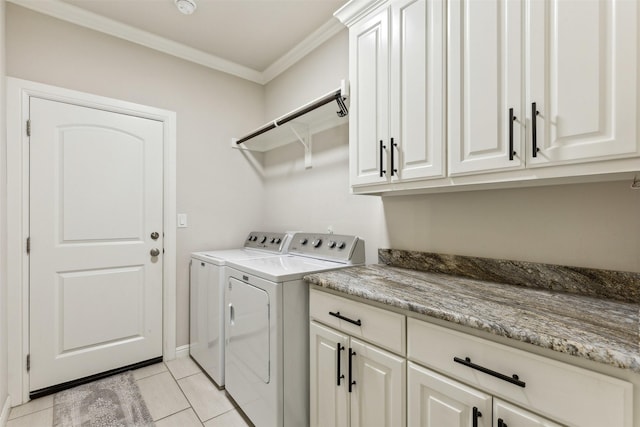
point(17, 205)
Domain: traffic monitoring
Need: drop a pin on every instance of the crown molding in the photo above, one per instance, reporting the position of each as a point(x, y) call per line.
point(353, 10)
point(306, 46)
point(76, 15)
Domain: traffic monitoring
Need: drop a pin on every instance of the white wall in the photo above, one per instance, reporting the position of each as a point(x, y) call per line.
point(590, 225)
point(216, 186)
point(314, 199)
point(3, 240)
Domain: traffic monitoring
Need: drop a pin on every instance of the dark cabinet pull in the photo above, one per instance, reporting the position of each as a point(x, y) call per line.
point(534, 132)
point(511, 379)
point(476, 414)
point(382, 148)
point(501, 423)
point(352, 382)
point(339, 348)
point(393, 165)
point(512, 118)
point(339, 316)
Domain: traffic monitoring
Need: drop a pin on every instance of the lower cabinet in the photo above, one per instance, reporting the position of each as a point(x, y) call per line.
point(354, 383)
point(438, 401)
point(364, 373)
point(507, 415)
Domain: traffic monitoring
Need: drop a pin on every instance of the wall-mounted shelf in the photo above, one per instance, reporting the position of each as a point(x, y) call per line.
point(298, 125)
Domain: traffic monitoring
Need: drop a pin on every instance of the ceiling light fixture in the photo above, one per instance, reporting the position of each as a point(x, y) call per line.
point(186, 6)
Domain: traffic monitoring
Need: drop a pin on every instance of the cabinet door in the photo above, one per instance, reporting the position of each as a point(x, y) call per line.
point(485, 83)
point(437, 401)
point(418, 64)
point(378, 395)
point(507, 415)
point(582, 76)
point(369, 123)
point(328, 377)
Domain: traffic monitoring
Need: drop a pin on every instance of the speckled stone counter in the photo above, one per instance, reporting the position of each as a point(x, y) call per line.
point(602, 330)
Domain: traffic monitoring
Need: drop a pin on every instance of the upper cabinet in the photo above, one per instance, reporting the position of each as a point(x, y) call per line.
point(397, 63)
point(485, 90)
point(581, 80)
point(524, 91)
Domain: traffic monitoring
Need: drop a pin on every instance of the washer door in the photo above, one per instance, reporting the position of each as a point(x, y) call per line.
point(249, 329)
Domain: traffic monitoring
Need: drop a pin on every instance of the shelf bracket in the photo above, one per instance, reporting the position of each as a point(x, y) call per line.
point(305, 140)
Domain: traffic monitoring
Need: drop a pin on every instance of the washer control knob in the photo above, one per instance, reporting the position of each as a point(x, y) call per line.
point(316, 243)
point(342, 245)
point(273, 240)
point(332, 244)
point(303, 241)
point(255, 238)
point(250, 237)
point(263, 239)
point(278, 240)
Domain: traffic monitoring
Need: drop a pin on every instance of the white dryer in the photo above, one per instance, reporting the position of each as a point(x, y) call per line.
point(206, 299)
point(266, 326)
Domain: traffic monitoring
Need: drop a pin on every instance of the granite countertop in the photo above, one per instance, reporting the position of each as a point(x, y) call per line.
point(598, 329)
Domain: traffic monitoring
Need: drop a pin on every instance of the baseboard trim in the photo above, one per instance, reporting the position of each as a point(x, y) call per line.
point(182, 351)
point(4, 415)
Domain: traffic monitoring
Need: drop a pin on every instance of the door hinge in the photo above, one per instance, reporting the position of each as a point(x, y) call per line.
point(28, 362)
point(28, 245)
point(29, 127)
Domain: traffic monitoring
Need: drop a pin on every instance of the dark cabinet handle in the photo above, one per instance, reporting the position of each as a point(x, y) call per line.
point(512, 118)
point(393, 164)
point(351, 380)
point(534, 132)
point(382, 148)
point(510, 379)
point(339, 348)
point(501, 423)
point(339, 316)
point(476, 414)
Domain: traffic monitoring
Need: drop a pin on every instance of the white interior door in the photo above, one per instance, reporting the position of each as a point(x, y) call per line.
point(95, 200)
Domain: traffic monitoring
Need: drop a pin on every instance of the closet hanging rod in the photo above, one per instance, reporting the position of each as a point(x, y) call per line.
point(333, 96)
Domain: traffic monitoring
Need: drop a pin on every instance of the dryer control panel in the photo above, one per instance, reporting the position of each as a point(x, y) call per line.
point(333, 247)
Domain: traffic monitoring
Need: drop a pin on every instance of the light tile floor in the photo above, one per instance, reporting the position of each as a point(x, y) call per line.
point(176, 392)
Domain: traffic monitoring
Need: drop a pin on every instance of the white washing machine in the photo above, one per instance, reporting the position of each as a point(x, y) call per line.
point(267, 326)
point(206, 299)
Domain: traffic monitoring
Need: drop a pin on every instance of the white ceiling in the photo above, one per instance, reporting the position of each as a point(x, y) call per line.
point(254, 34)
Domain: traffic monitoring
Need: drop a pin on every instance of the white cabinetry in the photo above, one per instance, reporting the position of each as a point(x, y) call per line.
point(437, 401)
point(507, 415)
point(485, 94)
point(354, 383)
point(582, 77)
point(527, 84)
point(566, 394)
point(397, 63)
point(580, 83)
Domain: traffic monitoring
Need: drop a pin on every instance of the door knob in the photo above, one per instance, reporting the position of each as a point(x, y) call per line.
point(155, 235)
point(154, 252)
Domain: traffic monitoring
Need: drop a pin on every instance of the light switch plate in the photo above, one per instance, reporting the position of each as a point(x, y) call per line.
point(182, 220)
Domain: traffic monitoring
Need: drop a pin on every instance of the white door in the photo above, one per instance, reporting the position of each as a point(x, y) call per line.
point(584, 82)
point(437, 401)
point(95, 199)
point(485, 85)
point(378, 395)
point(328, 377)
point(369, 74)
point(417, 89)
point(507, 415)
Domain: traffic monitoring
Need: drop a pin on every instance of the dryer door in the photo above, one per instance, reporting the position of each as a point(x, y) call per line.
point(248, 340)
